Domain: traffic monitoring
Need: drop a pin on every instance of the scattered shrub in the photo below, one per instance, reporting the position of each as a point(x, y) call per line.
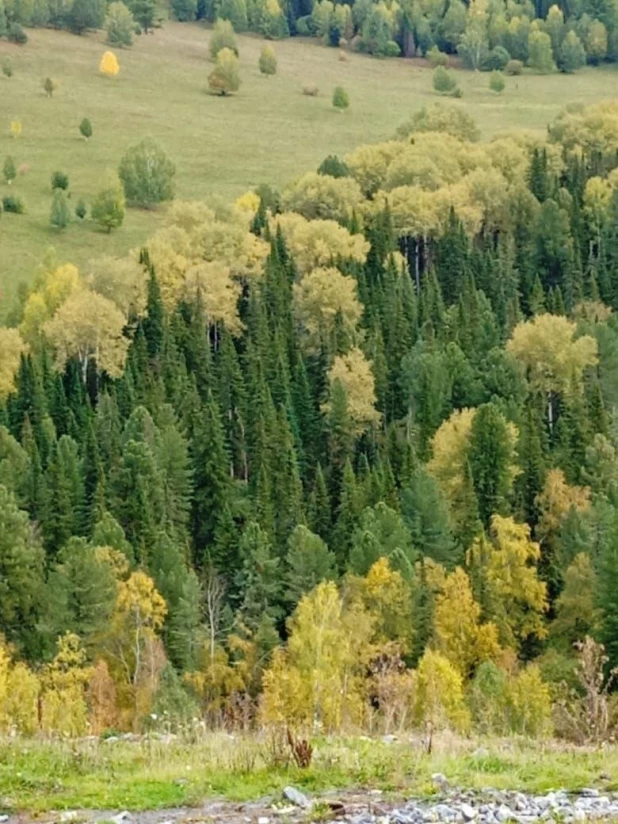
point(9, 170)
point(268, 61)
point(341, 99)
point(437, 58)
point(59, 180)
point(80, 210)
point(514, 67)
point(147, 174)
point(13, 204)
point(222, 37)
point(49, 86)
point(496, 60)
point(443, 81)
point(85, 128)
point(17, 35)
point(496, 82)
point(59, 216)
point(310, 91)
point(7, 67)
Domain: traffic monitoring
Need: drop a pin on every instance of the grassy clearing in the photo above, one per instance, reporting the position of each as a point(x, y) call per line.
point(269, 132)
point(39, 776)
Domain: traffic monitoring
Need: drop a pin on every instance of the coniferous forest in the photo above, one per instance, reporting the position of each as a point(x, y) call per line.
point(331, 455)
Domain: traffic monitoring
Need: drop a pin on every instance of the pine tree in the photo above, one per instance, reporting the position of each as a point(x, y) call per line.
point(259, 578)
point(490, 455)
point(308, 562)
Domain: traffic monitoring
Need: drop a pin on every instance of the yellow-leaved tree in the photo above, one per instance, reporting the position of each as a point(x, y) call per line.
point(505, 573)
point(109, 64)
point(133, 648)
point(19, 693)
point(439, 693)
point(317, 682)
point(354, 373)
point(91, 328)
point(315, 243)
point(53, 285)
point(554, 358)
point(323, 297)
point(63, 697)
point(11, 348)
point(459, 633)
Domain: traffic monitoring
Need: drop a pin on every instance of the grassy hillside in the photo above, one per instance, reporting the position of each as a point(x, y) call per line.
point(269, 132)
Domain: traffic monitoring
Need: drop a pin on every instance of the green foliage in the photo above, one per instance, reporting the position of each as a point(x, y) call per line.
point(496, 82)
point(437, 58)
point(13, 204)
point(514, 68)
point(222, 37)
point(120, 27)
point(443, 81)
point(341, 99)
point(85, 128)
point(572, 55)
point(185, 10)
point(147, 174)
point(6, 65)
point(59, 216)
point(236, 12)
point(540, 55)
point(16, 34)
point(59, 180)
point(9, 170)
point(108, 206)
point(80, 209)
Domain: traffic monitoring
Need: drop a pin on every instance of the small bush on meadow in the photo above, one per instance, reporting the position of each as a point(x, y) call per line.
point(13, 204)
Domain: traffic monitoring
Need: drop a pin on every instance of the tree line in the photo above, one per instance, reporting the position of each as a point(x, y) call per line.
point(343, 454)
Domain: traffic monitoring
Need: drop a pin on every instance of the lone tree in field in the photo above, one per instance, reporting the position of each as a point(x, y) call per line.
point(341, 99)
point(59, 216)
point(147, 174)
point(108, 207)
point(109, 64)
point(120, 25)
point(49, 86)
point(85, 128)
point(268, 61)
point(496, 82)
point(443, 81)
point(9, 170)
point(223, 37)
point(224, 79)
point(59, 180)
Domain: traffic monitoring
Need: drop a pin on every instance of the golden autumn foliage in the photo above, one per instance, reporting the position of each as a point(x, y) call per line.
point(557, 499)
point(458, 632)
point(323, 296)
point(109, 64)
point(52, 288)
point(354, 372)
point(440, 694)
point(506, 569)
point(88, 326)
point(63, 682)
point(317, 681)
point(387, 598)
point(11, 349)
point(554, 358)
point(315, 243)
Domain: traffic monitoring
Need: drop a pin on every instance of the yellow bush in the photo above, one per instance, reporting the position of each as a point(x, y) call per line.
point(109, 64)
point(439, 694)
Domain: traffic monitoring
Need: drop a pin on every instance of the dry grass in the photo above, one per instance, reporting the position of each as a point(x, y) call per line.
point(269, 132)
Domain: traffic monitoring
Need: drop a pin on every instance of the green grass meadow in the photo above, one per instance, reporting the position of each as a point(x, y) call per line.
point(37, 776)
point(267, 133)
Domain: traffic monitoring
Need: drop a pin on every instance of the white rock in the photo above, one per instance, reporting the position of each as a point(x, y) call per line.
point(468, 812)
point(263, 820)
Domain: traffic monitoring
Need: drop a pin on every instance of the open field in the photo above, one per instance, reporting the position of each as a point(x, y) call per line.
point(269, 132)
point(94, 774)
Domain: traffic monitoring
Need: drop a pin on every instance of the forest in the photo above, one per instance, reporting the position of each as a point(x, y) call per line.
point(341, 456)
